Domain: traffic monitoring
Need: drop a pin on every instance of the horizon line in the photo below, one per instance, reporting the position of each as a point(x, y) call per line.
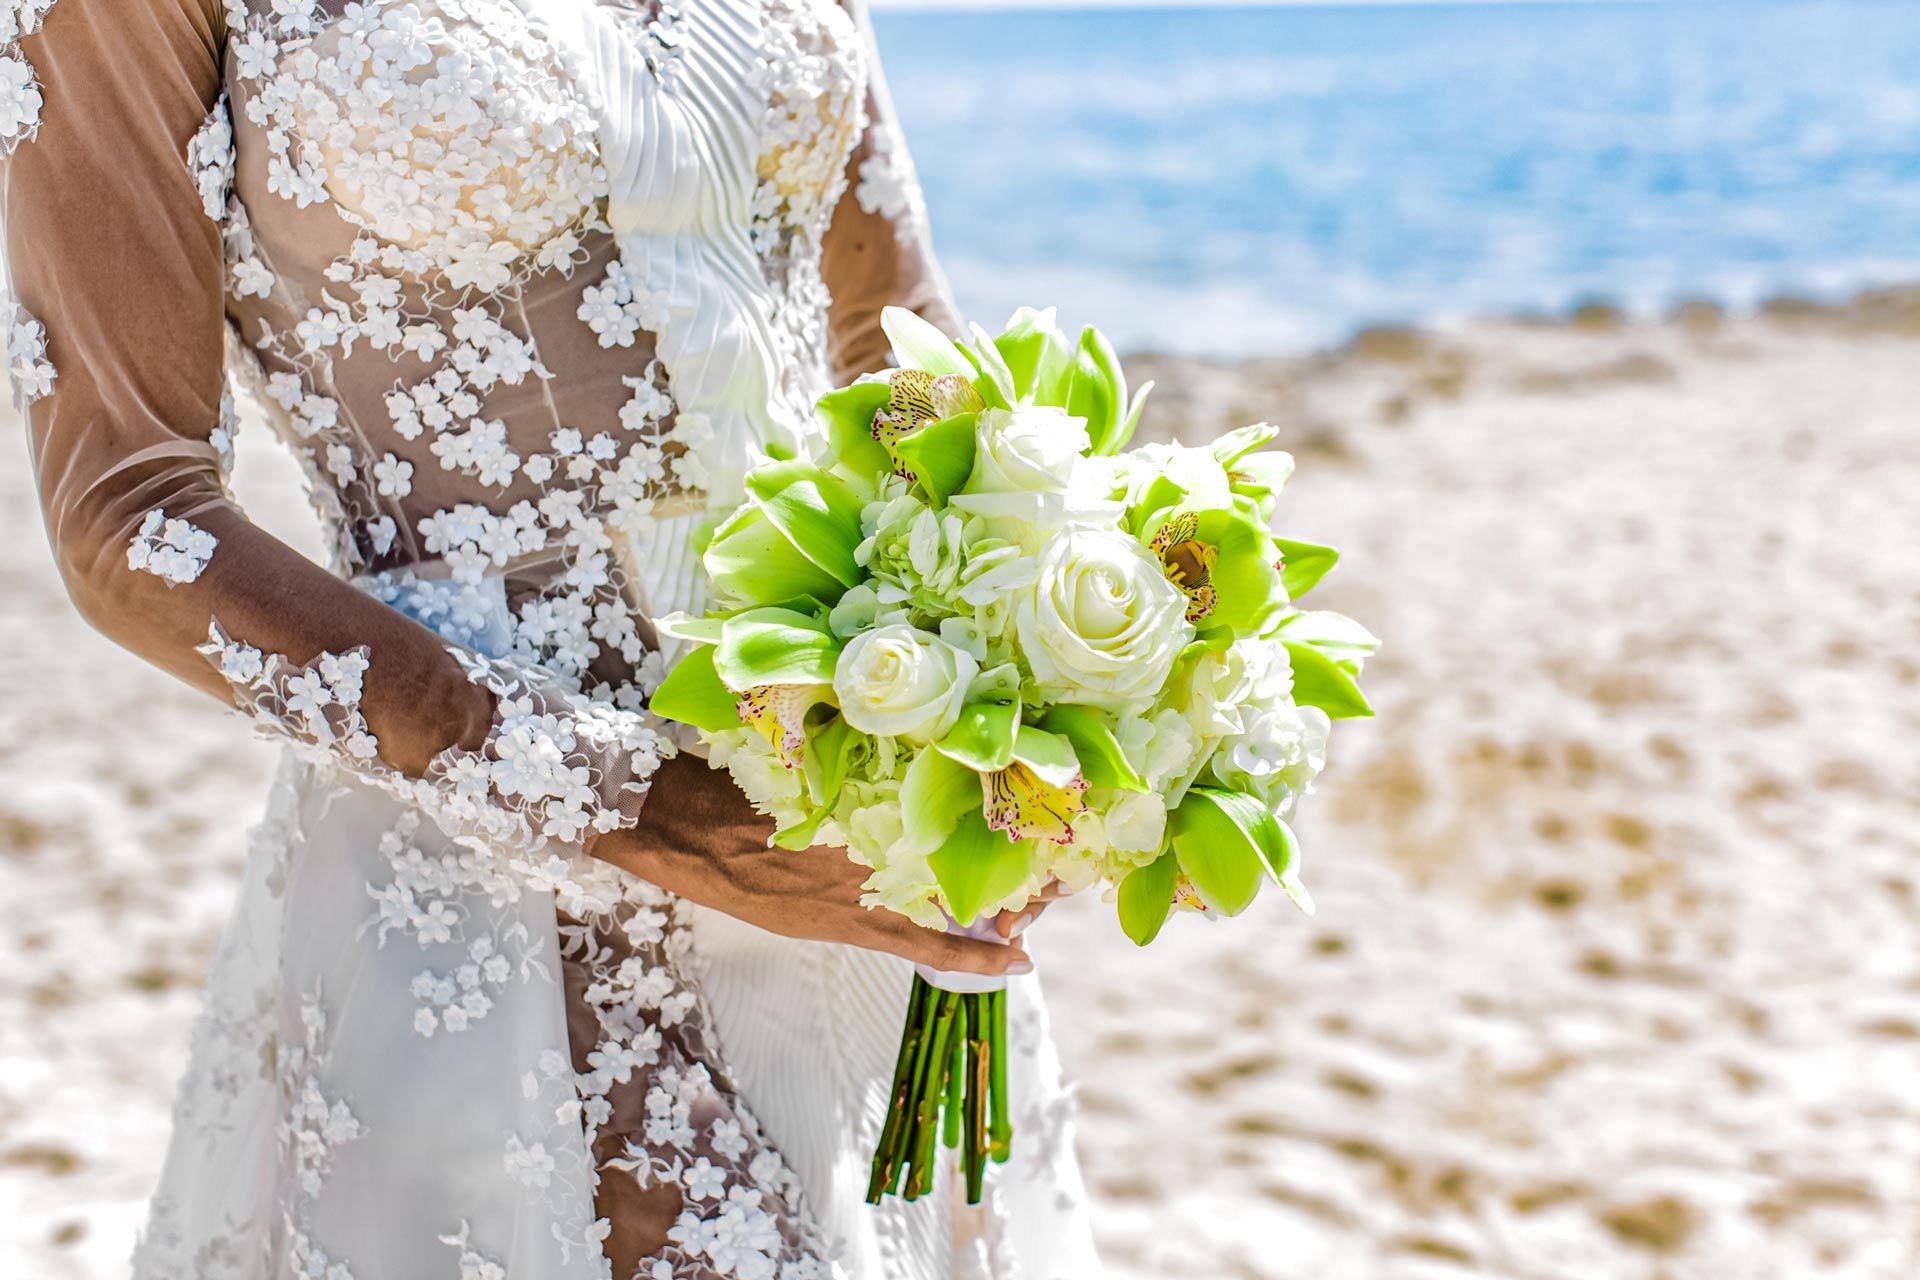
point(964, 6)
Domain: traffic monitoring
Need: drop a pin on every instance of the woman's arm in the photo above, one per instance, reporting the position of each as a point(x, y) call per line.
point(116, 267)
point(120, 335)
point(879, 251)
point(119, 345)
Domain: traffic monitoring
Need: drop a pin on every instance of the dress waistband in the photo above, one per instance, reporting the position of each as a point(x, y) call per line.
point(473, 614)
point(660, 569)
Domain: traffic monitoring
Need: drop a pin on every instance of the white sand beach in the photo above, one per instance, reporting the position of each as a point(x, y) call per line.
point(1616, 972)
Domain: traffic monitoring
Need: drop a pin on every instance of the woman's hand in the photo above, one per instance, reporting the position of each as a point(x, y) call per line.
point(699, 838)
point(1011, 924)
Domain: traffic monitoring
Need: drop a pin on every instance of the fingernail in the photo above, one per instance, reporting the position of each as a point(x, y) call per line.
point(1020, 925)
point(1020, 968)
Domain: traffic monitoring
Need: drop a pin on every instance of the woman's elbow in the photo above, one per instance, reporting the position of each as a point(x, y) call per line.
point(119, 554)
point(96, 578)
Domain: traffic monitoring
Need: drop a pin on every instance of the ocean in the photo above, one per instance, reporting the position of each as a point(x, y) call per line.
point(1241, 180)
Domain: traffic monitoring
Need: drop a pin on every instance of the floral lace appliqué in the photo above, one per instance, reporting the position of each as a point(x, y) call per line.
point(175, 551)
point(814, 72)
point(28, 367)
point(889, 186)
point(312, 1126)
point(20, 96)
point(317, 705)
point(430, 899)
point(481, 153)
point(210, 159)
point(557, 765)
point(474, 1265)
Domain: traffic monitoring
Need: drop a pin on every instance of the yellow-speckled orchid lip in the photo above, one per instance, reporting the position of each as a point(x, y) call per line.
point(1025, 806)
point(778, 713)
point(1188, 563)
point(918, 399)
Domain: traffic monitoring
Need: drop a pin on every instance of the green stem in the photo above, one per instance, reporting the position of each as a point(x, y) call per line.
point(923, 1069)
point(997, 1038)
point(886, 1161)
point(956, 1085)
point(930, 1090)
point(980, 1056)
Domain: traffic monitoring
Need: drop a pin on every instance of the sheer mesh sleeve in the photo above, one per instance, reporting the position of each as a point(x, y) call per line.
point(117, 344)
point(879, 252)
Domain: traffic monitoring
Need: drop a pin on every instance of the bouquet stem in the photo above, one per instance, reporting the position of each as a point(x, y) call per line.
point(949, 1088)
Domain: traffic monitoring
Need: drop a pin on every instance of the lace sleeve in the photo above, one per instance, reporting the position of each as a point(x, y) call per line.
point(117, 347)
point(878, 252)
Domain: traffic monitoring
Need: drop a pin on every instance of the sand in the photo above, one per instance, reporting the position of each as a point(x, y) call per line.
point(1615, 972)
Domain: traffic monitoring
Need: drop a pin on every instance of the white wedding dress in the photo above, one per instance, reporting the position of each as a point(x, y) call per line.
point(526, 284)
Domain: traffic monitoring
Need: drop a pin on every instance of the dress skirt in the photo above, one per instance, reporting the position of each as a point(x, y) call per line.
point(413, 1059)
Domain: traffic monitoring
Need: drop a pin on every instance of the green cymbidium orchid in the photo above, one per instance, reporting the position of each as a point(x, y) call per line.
point(794, 537)
point(1327, 651)
point(1226, 566)
point(1040, 792)
point(778, 713)
point(1254, 476)
point(1038, 356)
point(916, 402)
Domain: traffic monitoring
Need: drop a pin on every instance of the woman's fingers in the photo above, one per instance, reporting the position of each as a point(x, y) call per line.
point(949, 953)
point(969, 955)
point(1011, 924)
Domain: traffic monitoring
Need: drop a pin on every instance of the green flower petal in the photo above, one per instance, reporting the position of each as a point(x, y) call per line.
point(1319, 681)
point(1094, 745)
point(934, 794)
point(816, 511)
point(774, 646)
point(1146, 898)
point(1302, 565)
point(751, 562)
point(693, 694)
point(917, 344)
point(977, 867)
point(982, 739)
point(1215, 838)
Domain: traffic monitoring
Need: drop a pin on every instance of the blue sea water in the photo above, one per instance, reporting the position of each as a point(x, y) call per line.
point(1239, 180)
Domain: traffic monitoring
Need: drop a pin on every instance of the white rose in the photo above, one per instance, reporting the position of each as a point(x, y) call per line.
point(899, 681)
point(1025, 450)
point(1102, 624)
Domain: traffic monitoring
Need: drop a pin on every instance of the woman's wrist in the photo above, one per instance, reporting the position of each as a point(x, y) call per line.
point(622, 847)
point(694, 816)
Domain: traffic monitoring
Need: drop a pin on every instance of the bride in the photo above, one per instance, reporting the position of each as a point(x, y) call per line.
point(513, 991)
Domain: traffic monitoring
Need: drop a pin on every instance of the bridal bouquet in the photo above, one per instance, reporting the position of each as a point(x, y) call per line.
point(983, 649)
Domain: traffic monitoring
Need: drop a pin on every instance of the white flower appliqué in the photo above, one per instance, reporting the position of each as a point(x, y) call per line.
point(888, 184)
point(31, 372)
point(210, 159)
point(174, 550)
